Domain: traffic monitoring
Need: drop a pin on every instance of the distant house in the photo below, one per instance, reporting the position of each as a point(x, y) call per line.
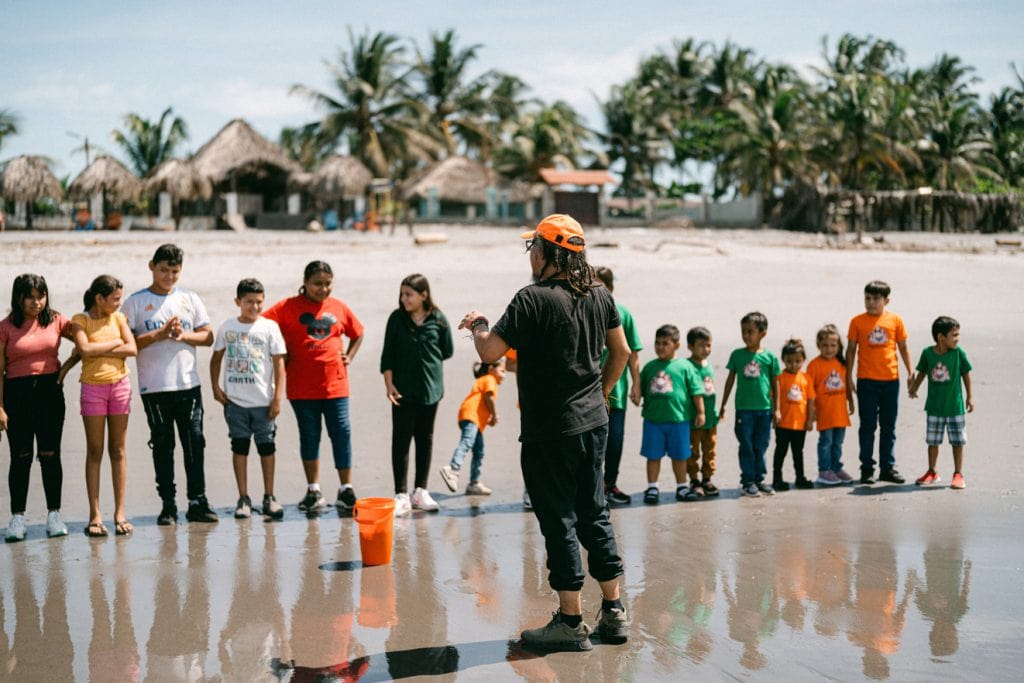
point(577, 193)
point(462, 188)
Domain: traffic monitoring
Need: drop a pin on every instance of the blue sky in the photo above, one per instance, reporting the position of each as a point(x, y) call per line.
point(80, 66)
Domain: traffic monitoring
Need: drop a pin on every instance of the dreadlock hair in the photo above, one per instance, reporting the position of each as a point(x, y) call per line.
point(572, 264)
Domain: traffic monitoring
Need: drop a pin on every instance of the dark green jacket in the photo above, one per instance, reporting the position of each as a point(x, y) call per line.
point(414, 355)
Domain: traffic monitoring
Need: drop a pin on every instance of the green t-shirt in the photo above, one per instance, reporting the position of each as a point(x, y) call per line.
point(668, 387)
point(754, 375)
point(620, 393)
point(707, 376)
point(945, 372)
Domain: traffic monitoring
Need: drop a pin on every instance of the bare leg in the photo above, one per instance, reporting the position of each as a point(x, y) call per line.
point(118, 461)
point(653, 470)
point(345, 475)
point(933, 457)
point(958, 459)
point(312, 468)
point(610, 589)
point(679, 469)
point(570, 603)
point(239, 463)
point(267, 466)
point(95, 426)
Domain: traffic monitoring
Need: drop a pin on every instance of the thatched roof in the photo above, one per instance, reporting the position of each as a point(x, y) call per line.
point(462, 180)
point(29, 179)
point(109, 176)
point(180, 179)
point(340, 177)
point(237, 148)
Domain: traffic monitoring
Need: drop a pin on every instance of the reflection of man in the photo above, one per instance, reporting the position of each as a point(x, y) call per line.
point(558, 326)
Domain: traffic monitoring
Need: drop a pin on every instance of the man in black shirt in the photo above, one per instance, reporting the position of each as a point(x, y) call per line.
point(559, 326)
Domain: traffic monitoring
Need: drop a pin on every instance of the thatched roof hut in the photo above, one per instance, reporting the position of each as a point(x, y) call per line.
point(464, 181)
point(340, 177)
point(109, 177)
point(29, 179)
point(237, 149)
point(180, 179)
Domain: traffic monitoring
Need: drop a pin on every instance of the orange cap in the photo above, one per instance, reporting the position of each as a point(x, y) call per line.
point(557, 229)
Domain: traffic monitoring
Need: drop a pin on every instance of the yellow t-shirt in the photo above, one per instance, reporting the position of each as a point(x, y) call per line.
point(102, 369)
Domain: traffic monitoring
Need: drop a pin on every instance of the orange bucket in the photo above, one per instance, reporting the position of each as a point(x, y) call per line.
point(376, 518)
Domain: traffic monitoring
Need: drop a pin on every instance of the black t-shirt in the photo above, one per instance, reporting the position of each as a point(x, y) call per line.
point(558, 336)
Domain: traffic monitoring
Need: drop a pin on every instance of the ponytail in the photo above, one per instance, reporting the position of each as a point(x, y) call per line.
point(104, 285)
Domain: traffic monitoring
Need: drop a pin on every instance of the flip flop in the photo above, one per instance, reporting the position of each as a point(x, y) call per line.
point(96, 530)
point(123, 528)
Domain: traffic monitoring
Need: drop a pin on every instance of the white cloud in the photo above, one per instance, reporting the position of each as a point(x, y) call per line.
point(241, 98)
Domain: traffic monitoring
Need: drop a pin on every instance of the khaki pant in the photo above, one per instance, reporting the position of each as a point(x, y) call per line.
point(702, 441)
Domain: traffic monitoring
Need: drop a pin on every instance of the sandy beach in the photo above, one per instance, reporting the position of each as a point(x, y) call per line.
point(843, 583)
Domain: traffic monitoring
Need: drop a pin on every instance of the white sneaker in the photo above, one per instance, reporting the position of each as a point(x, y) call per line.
point(421, 500)
point(16, 529)
point(527, 504)
point(55, 525)
point(450, 478)
point(477, 488)
point(402, 505)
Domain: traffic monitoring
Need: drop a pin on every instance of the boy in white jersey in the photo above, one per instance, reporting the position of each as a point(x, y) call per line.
point(169, 322)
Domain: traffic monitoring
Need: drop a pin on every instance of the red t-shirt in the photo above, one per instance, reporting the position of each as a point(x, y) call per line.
point(312, 333)
point(32, 349)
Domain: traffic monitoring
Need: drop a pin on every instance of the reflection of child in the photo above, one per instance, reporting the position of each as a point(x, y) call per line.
point(476, 413)
point(250, 391)
point(673, 394)
point(796, 409)
point(946, 366)
point(833, 405)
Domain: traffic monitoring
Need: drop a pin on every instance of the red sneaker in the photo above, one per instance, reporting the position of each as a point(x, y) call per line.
point(928, 479)
point(958, 481)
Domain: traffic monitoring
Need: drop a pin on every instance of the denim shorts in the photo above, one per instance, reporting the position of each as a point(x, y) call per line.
point(244, 423)
point(665, 438)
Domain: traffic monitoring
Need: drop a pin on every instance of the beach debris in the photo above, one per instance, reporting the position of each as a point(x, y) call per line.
point(425, 238)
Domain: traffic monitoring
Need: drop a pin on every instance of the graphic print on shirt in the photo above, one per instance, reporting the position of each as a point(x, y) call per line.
point(318, 328)
point(878, 337)
point(834, 381)
point(752, 370)
point(795, 394)
point(660, 384)
point(940, 373)
point(245, 356)
point(709, 386)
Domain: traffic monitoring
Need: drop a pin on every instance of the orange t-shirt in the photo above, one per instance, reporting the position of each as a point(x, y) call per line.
point(828, 377)
point(877, 337)
point(473, 407)
point(795, 389)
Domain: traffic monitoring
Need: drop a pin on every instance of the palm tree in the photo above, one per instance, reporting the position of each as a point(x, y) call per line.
point(305, 144)
point(1006, 127)
point(633, 135)
point(148, 144)
point(9, 122)
point(550, 135)
point(372, 105)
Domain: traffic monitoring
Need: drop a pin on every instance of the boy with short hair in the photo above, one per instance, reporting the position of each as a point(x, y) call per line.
point(946, 366)
point(878, 334)
point(673, 394)
point(169, 322)
point(704, 438)
point(755, 372)
point(617, 399)
point(251, 392)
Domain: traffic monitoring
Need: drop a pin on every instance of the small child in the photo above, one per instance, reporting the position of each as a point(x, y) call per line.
point(673, 394)
point(878, 334)
point(477, 412)
point(796, 408)
point(703, 439)
point(757, 401)
point(833, 405)
point(251, 390)
point(945, 365)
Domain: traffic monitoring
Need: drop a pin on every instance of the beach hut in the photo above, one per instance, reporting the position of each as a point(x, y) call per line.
point(106, 182)
point(25, 180)
point(180, 180)
point(340, 183)
point(575, 192)
point(458, 187)
point(251, 176)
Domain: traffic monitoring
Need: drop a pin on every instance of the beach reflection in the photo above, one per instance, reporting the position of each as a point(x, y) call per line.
point(753, 614)
point(942, 597)
point(41, 647)
point(113, 651)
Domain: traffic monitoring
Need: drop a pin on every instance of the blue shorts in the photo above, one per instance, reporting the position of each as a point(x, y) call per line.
point(666, 438)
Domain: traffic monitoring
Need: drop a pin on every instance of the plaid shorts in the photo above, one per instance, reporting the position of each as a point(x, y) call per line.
point(954, 426)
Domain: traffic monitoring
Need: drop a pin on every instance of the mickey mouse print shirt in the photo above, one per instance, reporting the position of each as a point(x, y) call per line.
point(877, 337)
point(755, 372)
point(313, 333)
point(945, 372)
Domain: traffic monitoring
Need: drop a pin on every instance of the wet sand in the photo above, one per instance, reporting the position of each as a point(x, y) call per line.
point(845, 583)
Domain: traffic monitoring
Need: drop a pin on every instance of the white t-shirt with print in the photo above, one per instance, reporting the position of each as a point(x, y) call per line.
point(247, 369)
point(166, 365)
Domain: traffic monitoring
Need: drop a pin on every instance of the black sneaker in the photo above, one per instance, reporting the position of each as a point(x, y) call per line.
point(892, 476)
point(346, 498)
point(271, 508)
point(557, 636)
point(765, 488)
point(750, 490)
point(780, 485)
point(615, 496)
point(200, 511)
point(867, 478)
point(651, 495)
point(804, 483)
point(313, 501)
point(168, 516)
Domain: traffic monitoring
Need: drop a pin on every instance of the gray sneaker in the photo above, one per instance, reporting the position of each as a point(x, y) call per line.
point(750, 490)
point(16, 529)
point(55, 526)
point(243, 509)
point(271, 508)
point(557, 636)
point(612, 626)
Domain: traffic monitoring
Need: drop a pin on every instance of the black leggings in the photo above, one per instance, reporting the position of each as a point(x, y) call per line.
point(35, 414)
point(409, 421)
point(785, 438)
